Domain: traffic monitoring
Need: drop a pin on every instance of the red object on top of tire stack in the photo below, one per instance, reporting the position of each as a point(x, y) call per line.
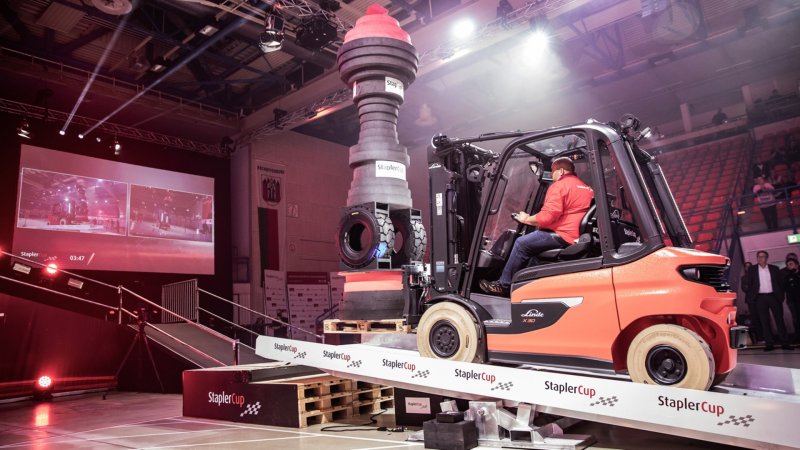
point(379, 62)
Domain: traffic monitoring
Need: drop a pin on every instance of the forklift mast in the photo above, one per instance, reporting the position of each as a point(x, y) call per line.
point(457, 171)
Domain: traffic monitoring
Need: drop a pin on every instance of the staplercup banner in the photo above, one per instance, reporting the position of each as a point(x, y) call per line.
point(705, 415)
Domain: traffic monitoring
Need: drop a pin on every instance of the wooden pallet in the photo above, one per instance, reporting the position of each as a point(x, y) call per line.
point(372, 406)
point(326, 402)
point(314, 387)
point(366, 326)
point(373, 393)
point(325, 416)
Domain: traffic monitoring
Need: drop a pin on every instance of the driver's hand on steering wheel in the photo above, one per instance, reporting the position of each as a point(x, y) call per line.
point(521, 217)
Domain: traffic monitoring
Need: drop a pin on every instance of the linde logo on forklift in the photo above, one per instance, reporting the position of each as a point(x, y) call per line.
point(685, 403)
point(225, 399)
point(532, 313)
point(566, 388)
point(335, 355)
point(397, 364)
point(473, 375)
point(286, 348)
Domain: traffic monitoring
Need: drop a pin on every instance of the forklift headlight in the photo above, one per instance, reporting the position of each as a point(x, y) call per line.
point(691, 273)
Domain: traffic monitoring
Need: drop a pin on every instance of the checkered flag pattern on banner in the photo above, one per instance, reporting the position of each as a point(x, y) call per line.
point(421, 374)
point(301, 355)
point(605, 401)
point(743, 421)
point(251, 408)
point(356, 363)
point(503, 386)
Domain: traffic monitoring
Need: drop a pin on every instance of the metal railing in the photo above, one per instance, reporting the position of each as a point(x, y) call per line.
point(119, 308)
point(273, 319)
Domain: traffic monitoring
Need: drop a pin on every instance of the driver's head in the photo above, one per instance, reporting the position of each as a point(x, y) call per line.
point(561, 166)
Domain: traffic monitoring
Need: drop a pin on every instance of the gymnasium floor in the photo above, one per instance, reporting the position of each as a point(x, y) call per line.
point(143, 420)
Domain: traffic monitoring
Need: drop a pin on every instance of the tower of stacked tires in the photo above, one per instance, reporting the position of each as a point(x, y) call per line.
point(379, 231)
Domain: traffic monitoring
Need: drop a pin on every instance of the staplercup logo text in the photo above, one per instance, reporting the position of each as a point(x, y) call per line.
point(286, 348)
point(397, 364)
point(336, 355)
point(685, 403)
point(566, 388)
point(222, 398)
point(473, 375)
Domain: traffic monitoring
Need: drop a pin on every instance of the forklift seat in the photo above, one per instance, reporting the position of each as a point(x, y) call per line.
point(579, 249)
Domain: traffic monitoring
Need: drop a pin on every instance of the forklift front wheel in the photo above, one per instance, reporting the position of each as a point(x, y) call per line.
point(448, 331)
point(671, 355)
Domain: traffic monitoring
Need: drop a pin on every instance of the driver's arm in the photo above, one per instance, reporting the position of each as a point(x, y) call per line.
point(552, 209)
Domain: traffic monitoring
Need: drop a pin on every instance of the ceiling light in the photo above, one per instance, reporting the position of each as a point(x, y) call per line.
point(80, 135)
point(24, 129)
point(208, 30)
point(272, 38)
point(62, 132)
point(116, 146)
point(537, 43)
point(159, 65)
point(464, 29)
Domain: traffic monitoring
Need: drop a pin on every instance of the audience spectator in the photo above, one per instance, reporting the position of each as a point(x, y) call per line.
point(753, 324)
point(792, 284)
point(766, 291)
point(762, 169)
point(719, 118)
point(765, 199)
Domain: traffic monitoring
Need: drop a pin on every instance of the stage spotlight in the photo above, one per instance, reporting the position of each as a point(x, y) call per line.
point(21, 268)
point(51, 269)
point(80, 135)
point(272, 38)
point(537, 43)
point(24, 128)
point(62, 132)
point(116, 146)
point(98, 139)
point(464, 29)
point(43, 388)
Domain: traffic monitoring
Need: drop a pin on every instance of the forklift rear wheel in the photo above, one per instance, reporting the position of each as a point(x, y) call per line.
point(448, 331)
point(62, 222)
point(671, 355)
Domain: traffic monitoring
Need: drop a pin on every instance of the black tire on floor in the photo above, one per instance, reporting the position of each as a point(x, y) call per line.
point(448, 331)
point(364, 236)
point(671, 355)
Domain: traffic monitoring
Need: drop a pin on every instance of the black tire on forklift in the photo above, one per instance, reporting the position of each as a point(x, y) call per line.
point(62, 222)
point(414, 240)
point(364, 236)
point(719, 378)
point(448, 331)
point(671, 355)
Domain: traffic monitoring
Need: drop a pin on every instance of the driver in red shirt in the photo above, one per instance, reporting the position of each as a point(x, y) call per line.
point(565, 204)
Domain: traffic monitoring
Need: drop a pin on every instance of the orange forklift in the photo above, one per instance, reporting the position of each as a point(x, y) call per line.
point(629, 298)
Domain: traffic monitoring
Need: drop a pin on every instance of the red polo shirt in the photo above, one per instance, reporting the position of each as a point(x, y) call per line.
point(565, 204)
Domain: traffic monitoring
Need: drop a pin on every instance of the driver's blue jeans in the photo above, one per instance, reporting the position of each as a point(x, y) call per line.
point(525, 249)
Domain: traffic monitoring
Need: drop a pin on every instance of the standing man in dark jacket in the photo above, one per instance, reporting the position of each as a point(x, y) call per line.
point(766, 291)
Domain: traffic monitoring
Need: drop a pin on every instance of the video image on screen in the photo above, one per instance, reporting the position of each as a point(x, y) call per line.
point(170, 214)
point(65, 202)
point(82, 212)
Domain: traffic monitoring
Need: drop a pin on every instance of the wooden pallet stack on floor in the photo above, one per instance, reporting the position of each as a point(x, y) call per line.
point(312, 400)
point(370, 398)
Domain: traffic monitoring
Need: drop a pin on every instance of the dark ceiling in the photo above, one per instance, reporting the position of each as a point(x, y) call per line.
point(614, 56)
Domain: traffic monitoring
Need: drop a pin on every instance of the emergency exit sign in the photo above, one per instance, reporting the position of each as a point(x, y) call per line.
point(793, 238)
